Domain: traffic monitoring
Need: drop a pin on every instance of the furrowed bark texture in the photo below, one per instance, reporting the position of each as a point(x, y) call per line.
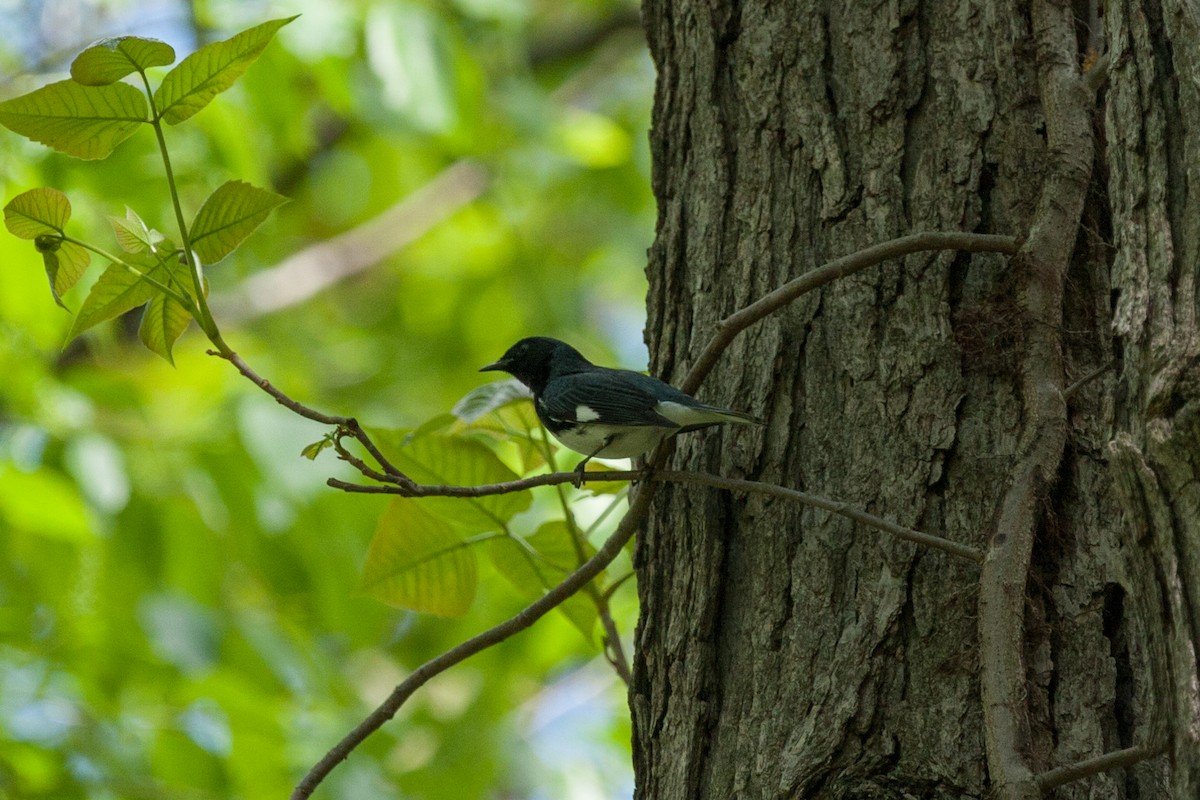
point(1152, 122)
point(781, 651)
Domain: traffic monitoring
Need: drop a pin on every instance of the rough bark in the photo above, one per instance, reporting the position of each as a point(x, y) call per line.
point(784, 653)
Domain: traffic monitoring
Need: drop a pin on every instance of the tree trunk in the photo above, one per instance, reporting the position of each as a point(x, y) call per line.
point(787, 652)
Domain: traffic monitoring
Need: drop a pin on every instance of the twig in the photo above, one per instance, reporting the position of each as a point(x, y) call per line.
point(835, 506)
point(350, 424)
point(737, 322)
point(1086, 379)
point(1058, 776)
point(677, 476)
point(485, 490)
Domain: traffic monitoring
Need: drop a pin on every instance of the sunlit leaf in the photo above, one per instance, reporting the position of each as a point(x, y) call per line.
point(457, 461)
point(420, 562)
point(489, 397)
point(65, 265)
point(109, 60)
point(504, 410)
point(164, 321)
point(311, 451)
point(83, 121)
point(540, 562)
point(133, 235)
point(116, 291)
point(36, 212)
point(228, 216)
point(211, 70)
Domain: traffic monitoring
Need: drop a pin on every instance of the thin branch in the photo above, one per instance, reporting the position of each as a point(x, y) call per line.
point(677, 476)
point(1086, 379)
point(485, 490)
point(350, 424)
point(836, 506)
point(737, 322)
point(1059, 776)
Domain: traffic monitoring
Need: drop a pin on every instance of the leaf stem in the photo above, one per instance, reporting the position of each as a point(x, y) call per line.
point(202, 313)
point(174, 294)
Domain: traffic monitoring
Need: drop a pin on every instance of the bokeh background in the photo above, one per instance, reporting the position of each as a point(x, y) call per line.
point(179, 606)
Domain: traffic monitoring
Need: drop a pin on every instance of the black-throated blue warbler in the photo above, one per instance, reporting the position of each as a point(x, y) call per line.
point(597, 411)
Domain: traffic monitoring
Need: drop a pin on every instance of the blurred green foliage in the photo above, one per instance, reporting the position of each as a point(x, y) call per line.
point(180, 603)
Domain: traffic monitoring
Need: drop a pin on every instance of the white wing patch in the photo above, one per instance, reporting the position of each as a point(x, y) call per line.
point(585, 414)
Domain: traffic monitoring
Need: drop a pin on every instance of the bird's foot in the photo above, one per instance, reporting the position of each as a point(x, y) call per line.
point(577, 482)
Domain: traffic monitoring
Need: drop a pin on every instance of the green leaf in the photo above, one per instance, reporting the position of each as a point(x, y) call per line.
point(211, 70)
point(228, 216)
point(164, 321)
point(504, 410)
point(83, 121)
point(453, 460)
point(109, 60)
point(418, 561)
point(118, 290)
point(490, 397)
point(540, 562)
point(41, 214)
point(311, 451)
point(133, 235)
point(65, 265)
point(36, 212)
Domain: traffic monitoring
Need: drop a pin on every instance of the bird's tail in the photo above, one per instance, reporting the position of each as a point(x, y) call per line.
point(695, 417)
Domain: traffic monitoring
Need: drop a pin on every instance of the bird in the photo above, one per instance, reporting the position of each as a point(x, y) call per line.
point(603, 412)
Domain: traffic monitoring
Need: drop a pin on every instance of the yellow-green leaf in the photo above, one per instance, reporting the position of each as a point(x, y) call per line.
point(228, 216)
point(118, 290)
point(83, 121)
point(133, 235)
point(489, 397)
point(163, 322)
point(211, 70)
point(418, 561)
point(109, 60)
point(65, 265)
point(37, 211)
point(540, 562)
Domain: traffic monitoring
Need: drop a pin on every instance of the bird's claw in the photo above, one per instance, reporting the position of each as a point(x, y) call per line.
point(577, 481)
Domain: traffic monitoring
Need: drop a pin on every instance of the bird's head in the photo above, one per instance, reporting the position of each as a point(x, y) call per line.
point(534, 360)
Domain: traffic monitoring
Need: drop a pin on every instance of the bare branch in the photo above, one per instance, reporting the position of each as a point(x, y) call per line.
point(675, 476)
point(1058, 776)
point(735, 323)
point(349, 424)
point(835, 506)
point(485, 490)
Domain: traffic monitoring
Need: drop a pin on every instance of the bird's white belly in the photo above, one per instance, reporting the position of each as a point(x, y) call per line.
point(626, 441)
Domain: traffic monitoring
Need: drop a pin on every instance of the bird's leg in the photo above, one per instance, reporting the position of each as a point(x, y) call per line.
point(579, 468)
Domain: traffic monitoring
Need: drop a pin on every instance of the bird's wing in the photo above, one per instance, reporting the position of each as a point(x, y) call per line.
point(610, 396)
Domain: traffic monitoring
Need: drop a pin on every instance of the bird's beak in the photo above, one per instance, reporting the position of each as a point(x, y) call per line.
point(499, 365)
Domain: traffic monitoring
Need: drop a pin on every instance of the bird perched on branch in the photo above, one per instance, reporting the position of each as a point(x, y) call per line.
point(597, 411)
